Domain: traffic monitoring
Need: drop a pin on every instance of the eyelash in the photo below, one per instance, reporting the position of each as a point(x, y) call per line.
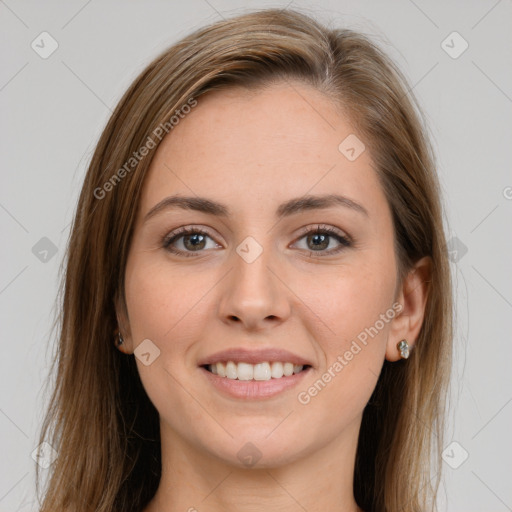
point(324, 230)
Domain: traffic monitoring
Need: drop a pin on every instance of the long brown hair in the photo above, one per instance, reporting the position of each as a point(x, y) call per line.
point(100, 419)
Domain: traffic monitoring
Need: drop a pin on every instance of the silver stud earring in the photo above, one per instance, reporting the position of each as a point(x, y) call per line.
point(404, 349)
point(120, 339)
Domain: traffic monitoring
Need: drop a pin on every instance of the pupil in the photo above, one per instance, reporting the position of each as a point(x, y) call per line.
point(195, 240)
point(322, 239)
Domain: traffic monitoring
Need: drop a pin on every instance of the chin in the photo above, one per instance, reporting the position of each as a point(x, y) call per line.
point(260, 453)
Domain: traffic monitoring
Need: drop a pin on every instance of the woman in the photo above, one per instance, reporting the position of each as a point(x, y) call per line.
point(256, 310)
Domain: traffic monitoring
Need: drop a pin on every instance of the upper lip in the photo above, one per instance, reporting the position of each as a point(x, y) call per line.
point(243, 355)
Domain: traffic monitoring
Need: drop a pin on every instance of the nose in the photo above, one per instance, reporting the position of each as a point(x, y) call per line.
point(253, 293)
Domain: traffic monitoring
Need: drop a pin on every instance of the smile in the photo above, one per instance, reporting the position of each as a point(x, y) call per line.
point(260, 371)
point(254, 381)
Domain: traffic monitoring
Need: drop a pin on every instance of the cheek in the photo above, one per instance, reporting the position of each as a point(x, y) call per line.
point(171, 309)
point(166, 306)
point(358, 313)
point(351, 325)
point(349, 300)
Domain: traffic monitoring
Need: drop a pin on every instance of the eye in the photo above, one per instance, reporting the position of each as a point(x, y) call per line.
point(185, 241)
point(320, 238)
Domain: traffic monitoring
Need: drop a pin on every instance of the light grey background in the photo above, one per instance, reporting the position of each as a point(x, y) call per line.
point(54, 109)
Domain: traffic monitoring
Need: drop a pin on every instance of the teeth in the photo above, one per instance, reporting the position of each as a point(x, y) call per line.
point(260, 371)
point(231, 372)
point(277, 370)
point(245, 371)
point(288, 369)
point(221, 369)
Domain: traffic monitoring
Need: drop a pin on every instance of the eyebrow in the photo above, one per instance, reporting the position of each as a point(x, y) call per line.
point(290, 207)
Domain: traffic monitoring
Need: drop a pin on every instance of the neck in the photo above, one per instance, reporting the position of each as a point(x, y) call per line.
point(194, 480)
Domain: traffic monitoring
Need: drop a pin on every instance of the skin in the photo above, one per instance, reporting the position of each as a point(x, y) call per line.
point(252, 151)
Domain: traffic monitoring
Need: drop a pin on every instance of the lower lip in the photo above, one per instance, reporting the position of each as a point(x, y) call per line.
point(254, 389)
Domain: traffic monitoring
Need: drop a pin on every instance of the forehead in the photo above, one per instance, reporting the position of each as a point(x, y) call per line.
point(249, 147)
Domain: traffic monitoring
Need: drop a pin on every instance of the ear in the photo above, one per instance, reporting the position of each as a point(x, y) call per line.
point(413, 297)
point(123, 324)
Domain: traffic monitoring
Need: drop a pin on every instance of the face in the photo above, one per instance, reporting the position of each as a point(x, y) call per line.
point(263, 274)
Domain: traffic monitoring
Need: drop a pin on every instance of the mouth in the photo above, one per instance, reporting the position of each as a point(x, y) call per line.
point(263, 371)
point(254, 382)
point(249, 374)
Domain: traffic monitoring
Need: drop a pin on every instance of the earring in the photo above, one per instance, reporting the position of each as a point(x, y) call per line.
point(404, 349)
point(120, 339)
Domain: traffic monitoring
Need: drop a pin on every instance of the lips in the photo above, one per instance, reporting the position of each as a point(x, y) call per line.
point(242, 355)
point(229, 372)
point(254, 389)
